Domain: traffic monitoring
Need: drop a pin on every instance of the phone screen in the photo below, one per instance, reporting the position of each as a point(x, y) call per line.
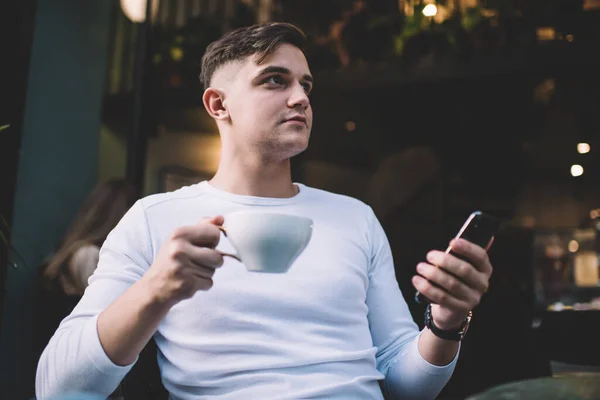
point(479, 229)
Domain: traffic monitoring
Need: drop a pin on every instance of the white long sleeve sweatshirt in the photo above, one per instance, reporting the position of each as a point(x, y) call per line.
point(332, 327)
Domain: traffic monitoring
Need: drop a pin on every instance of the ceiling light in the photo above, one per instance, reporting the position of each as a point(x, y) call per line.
point(583, 148)
point(576, 170)
point(430, 10)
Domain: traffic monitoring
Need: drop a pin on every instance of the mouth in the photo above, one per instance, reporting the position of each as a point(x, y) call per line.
point(298, 119)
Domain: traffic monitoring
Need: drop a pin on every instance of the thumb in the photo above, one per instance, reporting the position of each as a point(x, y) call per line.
point(216, 220)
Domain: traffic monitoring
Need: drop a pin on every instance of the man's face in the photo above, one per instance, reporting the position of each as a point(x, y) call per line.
point(268, 104)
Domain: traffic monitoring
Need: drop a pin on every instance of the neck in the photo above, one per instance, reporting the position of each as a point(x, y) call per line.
point(252, 177)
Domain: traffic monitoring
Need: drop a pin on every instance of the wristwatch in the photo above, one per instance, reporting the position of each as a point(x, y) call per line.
point(457, 335)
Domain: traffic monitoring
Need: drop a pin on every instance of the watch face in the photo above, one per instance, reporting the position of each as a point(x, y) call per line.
point(467, 324)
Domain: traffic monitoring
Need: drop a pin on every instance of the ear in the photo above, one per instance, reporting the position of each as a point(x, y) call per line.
point(214, 102)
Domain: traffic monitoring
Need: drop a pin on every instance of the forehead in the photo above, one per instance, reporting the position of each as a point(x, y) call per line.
point(286, 56)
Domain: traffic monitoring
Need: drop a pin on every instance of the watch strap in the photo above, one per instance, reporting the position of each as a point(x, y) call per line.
point(455, 335)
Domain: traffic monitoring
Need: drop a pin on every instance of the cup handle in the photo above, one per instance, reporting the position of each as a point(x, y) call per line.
point(234, 256)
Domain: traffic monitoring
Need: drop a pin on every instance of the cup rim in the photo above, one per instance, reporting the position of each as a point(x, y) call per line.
point(302, 217)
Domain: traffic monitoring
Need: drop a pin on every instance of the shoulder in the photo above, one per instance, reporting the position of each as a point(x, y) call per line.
point(166, 199)
point(348, 214)
point(153, 215)
point(344, 202)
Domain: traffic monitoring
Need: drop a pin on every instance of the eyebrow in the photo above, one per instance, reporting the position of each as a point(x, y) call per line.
point(282, 70)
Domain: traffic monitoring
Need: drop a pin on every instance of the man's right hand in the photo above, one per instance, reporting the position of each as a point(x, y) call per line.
point(186, 262)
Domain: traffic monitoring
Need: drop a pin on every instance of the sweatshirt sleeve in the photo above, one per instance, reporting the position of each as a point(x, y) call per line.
point(74, 360)
point(407, 374)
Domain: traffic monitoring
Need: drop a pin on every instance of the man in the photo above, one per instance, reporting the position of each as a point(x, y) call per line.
point(333, 327)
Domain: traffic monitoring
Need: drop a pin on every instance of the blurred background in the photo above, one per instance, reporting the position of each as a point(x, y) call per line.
point(425, 110)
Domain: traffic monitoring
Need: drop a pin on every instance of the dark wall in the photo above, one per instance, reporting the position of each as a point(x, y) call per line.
point(58, 160)
point(16, 32)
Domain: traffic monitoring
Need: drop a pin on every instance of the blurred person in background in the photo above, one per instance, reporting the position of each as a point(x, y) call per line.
point(63, 277)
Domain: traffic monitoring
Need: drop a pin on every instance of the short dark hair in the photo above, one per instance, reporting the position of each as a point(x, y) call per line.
point(260, 40)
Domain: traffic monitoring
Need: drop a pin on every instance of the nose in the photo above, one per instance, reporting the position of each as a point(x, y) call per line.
point(298, 97)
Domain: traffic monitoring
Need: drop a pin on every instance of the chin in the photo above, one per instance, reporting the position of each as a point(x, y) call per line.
point(300, 142)
point(292, 151)
point(290, 148)
point(286, 143)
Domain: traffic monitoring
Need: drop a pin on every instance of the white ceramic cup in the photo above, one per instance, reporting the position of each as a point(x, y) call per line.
point(265, 241)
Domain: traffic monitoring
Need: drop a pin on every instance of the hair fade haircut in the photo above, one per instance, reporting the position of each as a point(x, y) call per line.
point(260, 40)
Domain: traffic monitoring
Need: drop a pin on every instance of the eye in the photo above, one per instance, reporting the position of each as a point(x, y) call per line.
point(307, 87)
point(275, 80)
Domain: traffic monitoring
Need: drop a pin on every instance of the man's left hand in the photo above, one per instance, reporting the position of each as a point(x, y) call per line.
point(460, 284)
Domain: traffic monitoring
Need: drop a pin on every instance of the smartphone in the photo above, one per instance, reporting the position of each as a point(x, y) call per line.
point(479, 229)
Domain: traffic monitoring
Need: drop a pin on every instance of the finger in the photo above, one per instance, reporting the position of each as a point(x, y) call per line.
point(477, 255)
point(203, 284)
point(216, 220)
point(437, 295)
point(446, 281)
point(202, 272)
point(204, 256)
point(460, 269)
point(203, 234)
